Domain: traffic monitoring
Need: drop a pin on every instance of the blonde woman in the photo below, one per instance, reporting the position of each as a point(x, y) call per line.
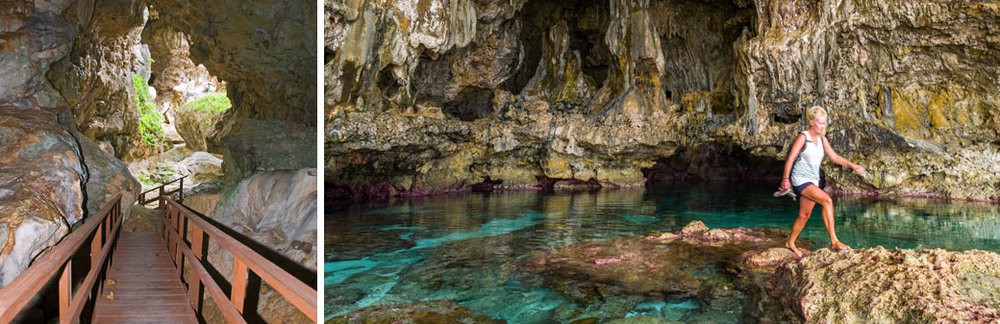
point(801, 174)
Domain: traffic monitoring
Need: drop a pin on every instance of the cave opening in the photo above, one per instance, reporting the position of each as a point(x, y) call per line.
point(189, 100)
point(586, 21)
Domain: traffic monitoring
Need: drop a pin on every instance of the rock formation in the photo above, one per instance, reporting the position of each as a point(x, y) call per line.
point(883, 286)
point(51, 176)
point(439, 98)
point(275, 212)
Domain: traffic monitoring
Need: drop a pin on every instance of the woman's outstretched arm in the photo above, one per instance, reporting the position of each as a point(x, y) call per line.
point(793, 153)
point(836, 158)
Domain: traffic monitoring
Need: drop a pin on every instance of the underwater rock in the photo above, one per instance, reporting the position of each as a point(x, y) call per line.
point(435, 311)
point(879, 285)
point(691, 263)
point(41, 186)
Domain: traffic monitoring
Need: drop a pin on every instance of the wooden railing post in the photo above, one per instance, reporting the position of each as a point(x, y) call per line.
point(180, 195)
point(160, 204)
point(194, 283)
point(239, 284)
point(65, 287)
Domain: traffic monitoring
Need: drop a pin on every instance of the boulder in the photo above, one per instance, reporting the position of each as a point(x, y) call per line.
point(274, 213)
point(888, 286)
point(41, 186)
point(200, 167)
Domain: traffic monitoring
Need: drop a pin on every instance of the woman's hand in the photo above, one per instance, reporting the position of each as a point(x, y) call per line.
point(785, 184)
point(859, 169)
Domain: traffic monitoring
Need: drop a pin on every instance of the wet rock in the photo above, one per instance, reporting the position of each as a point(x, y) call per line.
point(436, 311)
point(694, 262)
point(879, 285)
point(41, 186)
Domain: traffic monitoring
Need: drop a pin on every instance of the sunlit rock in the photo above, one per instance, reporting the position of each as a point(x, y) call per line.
point(879, 285)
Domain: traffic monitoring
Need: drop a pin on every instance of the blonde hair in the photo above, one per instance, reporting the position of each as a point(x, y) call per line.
point(815, 112)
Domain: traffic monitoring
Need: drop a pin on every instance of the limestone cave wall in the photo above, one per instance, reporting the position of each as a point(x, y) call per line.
point(441, 96)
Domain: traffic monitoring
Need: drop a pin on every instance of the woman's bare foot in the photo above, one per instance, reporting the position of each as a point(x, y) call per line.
point(791, 246)
point(838, 246)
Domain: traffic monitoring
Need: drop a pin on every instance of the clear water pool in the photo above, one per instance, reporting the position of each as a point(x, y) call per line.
point(465, 248)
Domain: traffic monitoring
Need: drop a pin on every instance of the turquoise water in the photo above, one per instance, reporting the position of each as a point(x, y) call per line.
point(465, 248)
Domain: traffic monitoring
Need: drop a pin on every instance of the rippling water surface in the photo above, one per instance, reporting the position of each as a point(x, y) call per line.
point(465, 248)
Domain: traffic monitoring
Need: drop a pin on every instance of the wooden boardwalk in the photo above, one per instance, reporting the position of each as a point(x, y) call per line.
point(142, 285)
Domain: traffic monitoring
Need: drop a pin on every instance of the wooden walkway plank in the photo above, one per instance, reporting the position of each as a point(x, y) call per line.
point(142, 285)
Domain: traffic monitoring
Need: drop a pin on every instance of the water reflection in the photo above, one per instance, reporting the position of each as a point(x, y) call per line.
point(465, 247)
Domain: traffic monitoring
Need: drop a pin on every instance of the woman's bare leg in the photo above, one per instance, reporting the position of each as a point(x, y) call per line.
point(805, 210)
point(816, 194)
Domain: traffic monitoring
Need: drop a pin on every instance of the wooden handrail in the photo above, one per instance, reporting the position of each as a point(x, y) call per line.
point(178, 221)
point(163, 192)
point(102, 230)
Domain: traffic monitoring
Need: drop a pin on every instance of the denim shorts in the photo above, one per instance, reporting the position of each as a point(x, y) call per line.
point(798, 189)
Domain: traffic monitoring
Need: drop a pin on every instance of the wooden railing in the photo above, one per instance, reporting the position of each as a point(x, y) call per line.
point(162, 192)
point(101, 231)
point(185, 232)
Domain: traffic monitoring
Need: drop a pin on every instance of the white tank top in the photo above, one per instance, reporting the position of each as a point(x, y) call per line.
point(806, 167)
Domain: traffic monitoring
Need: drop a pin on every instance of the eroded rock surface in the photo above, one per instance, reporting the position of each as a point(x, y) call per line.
point(41, 186)
point(888, 286)
point(274, 212)
point(910, 87)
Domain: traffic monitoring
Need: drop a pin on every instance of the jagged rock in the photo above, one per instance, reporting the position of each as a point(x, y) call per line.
point(267, 145)
point(275, 212)
point(177, 79)
point(107, 176)
point(262, 49)
point(435, 311)
point(41, 186)
point(910, 87)
point(695, 262)
point(195, 126)
point(96, 77)
point(883, 286)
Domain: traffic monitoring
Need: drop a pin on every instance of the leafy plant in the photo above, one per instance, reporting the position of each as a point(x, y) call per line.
point(214, 103)
point(150, 121)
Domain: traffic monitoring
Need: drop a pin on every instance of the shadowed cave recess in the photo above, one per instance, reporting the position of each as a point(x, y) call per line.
point(99, 98)
point(452, 96)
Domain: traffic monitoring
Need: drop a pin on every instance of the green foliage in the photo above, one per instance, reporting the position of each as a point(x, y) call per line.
point(150, 121)
point(214, 103)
